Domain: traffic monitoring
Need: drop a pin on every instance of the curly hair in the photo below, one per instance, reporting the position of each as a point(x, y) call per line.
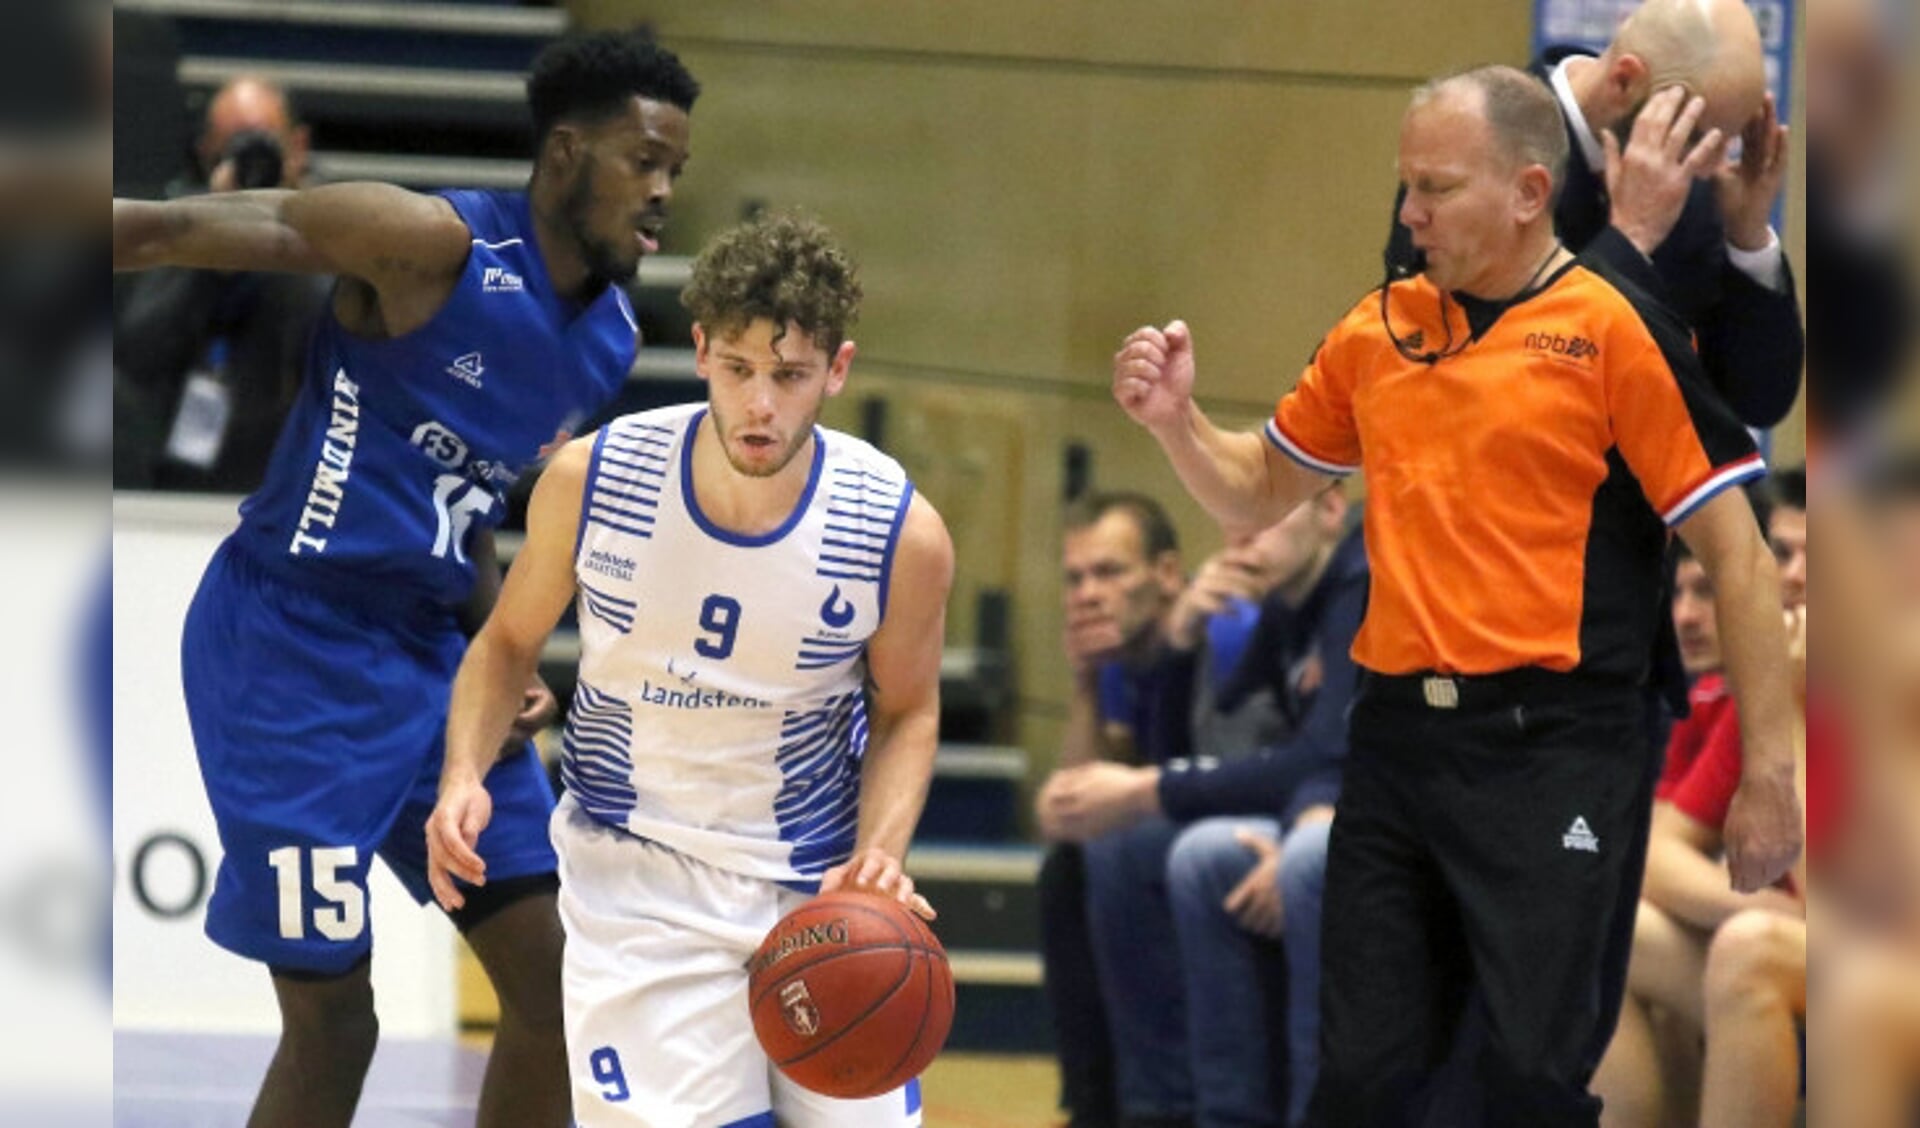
point(784, 267)
point(591, 77)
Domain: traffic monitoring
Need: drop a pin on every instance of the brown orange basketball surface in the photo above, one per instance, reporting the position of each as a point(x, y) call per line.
point(851, 995)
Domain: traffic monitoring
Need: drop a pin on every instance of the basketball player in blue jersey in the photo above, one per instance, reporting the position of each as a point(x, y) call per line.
point(762, 603)
point(468, 331)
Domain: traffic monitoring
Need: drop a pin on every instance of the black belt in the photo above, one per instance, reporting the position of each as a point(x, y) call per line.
point(1528, 685)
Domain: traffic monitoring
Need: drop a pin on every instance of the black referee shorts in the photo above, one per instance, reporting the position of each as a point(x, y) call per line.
point(1489, 837)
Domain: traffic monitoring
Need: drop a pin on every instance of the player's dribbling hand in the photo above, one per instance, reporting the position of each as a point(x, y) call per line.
point(453, 831)
point(873, 870)
point(1153, 375)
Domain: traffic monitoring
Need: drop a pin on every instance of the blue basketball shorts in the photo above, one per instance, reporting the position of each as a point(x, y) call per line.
point(319, 728)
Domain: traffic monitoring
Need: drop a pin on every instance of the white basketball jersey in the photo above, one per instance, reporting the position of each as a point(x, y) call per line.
point(720, 707)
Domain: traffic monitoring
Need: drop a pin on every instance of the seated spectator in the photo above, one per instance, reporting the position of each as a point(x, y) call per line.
point(1233, 880)
point(1652, 1071)
point(1756, 976)
point(1121, 565)
point(206, 362)
point(1210, 626)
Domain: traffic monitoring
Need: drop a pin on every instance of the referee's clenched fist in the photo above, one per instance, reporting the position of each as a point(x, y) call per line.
point(1153, 374)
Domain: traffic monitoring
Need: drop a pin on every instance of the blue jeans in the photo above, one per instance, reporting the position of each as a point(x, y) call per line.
point(1138, 959)
point(1231, 1047)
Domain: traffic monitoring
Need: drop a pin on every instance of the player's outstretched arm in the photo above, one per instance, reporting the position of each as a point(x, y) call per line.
point(903, 669)
point(499, 663)
point(1238, 478)
point(1763, 830)
point(385, 236)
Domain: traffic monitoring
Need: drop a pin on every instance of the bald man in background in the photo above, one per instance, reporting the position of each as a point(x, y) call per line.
point(1668, 208)
point(247, 104)
point(206, 363)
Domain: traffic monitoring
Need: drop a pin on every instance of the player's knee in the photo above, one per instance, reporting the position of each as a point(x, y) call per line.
point(533, 1002)
point(335, 1016)
point(1753, 952)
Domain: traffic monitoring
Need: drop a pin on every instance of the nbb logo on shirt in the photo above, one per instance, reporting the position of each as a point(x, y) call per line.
point(1573, 348)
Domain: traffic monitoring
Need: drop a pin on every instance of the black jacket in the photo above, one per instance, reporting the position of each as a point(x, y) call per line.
point(1304, 769)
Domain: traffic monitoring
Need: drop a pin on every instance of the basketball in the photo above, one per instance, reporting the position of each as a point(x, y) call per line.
point(851, 995)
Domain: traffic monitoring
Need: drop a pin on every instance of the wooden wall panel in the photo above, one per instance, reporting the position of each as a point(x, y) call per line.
point(1024, 183)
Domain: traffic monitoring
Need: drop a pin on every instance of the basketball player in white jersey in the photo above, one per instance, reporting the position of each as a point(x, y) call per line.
point(762, 603)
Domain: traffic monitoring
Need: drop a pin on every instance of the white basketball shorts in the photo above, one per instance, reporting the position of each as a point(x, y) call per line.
point(655, 980)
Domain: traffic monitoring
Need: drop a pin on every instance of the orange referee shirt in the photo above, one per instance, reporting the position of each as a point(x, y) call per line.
point(1519, 491)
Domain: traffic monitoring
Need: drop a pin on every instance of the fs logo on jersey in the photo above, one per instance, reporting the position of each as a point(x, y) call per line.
point(441, 444)
point(467, 369)
point(837, 612)
point(499, 280)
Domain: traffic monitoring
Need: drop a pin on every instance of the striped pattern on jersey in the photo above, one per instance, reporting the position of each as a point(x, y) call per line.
point(631, 464)
point(818, 806)
point(861, 510)
point(608, 608)
point(598, 766)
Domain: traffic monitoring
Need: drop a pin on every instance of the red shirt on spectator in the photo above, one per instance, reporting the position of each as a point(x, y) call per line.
point(1826, 773)
point(1706, 790)
point(1710, 706)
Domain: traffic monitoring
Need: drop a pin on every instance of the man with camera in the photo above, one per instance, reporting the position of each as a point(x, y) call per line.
point(206, 363)
point(251, 138)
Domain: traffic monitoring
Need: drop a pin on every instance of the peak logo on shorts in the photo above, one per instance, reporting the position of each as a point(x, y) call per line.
point(1573, 348)
point(499, 280)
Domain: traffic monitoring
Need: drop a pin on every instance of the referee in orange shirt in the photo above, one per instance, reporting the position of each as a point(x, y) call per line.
point(1531, 428)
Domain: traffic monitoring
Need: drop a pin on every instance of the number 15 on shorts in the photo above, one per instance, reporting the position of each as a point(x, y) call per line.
point(341, 909)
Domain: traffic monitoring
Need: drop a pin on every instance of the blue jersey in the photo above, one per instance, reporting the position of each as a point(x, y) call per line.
point(398, 449)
